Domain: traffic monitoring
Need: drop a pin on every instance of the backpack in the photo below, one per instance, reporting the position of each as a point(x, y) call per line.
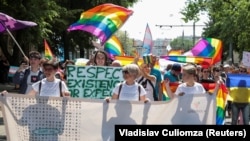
point(120, 88)
point(151, 84)
point(60, 87)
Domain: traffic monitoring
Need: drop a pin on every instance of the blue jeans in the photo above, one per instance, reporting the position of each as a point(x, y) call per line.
point(236, 108)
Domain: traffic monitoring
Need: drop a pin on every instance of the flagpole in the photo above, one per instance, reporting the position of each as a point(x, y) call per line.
point(13, 38)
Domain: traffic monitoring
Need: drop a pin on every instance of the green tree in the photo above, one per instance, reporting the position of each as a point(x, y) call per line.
point(126, 41)
point(53, 18)
point(228, 21)
point(182, 43)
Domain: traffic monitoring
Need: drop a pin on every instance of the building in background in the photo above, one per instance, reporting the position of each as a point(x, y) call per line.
point(159, 47)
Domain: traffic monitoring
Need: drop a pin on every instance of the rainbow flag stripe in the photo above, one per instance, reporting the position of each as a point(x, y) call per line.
point(175, 52)
point(102, 21)
point(130, 59)
point(203, 61)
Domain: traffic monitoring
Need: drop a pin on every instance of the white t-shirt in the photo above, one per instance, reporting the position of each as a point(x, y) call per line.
point(196, 89)
point(129, 92)
point(50, 88)
point(148, 88)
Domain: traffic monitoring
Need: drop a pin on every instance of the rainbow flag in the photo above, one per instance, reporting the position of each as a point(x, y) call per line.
point(239, 87)
point(102, 21)
point(130, 59)
point(113, 47)
point(175, 52)
point(147, 41)
point(203, 61)
point(47, 53)
point(173, 87)
point(221, 100)
point(208, 47)
point(127, 60)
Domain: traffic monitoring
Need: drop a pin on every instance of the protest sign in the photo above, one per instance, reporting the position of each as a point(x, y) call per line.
point(246, 58)
point(92, 81)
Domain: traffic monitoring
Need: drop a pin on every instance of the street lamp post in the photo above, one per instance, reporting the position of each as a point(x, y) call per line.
point(193, 33)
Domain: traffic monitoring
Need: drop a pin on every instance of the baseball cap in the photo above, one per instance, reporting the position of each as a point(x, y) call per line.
point(176, 67)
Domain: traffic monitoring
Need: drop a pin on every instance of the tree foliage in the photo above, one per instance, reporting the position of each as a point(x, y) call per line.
point(180, 43)
point(53, 18)
point(228, 21)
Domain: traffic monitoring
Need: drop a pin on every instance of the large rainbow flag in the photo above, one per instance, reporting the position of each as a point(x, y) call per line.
point(47, 52)
point(102, 21)
point(113, 47)
point(239, 87)
point(203, 61)
point(207, 47)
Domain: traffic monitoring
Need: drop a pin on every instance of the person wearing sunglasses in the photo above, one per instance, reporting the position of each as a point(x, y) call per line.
point(129, 89)
point(50, 85)
point(216, 74)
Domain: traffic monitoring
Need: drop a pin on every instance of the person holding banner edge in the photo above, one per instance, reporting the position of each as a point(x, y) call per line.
point(189, 85)
point(50, 86)
point(129, 89)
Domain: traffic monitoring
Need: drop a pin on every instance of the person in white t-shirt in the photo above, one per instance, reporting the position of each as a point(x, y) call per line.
point(129, 89)
point(50, 86)
point(189, 85)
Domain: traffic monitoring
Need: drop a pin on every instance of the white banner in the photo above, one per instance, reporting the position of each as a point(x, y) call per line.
point(64, 119)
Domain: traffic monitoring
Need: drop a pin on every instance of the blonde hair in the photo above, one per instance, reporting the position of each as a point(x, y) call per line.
point(133, 69)
point(190, 69)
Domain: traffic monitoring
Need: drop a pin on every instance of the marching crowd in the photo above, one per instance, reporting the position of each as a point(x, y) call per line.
point(142, 81)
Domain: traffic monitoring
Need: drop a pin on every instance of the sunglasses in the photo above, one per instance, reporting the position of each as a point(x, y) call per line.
point(125, 72)
point(205, 71)
point(34, 56)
